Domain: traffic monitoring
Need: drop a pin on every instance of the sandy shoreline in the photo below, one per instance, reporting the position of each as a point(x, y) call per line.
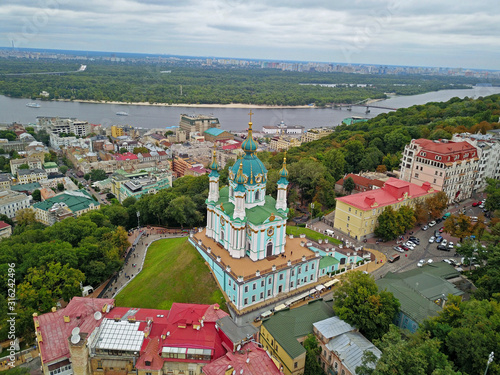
point(232, 105)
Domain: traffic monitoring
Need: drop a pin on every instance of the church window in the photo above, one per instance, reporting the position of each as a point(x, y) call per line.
point(269, 293)
point(269, 280)
point(306, 268)
point(261, 295)
point(245, 301)
point(298, 270)
point(253, 298)
point(312, 276)
point(269, 249)
point(246, 288)
point(257, 195)
point(312, 266)
point(291, 284)
point(230, 191)
point(281, 276)
point(262, 284)
point(254, 286)
point(293, 272)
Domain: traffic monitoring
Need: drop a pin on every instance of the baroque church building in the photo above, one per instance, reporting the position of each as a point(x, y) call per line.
point(241, 217)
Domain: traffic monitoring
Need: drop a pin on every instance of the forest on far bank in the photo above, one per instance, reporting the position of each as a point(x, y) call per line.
point(140, 82)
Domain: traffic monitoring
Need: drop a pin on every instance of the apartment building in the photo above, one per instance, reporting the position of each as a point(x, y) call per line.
point(32, 163)
point(451, 167)
point(28, 176)
point(197, 123)
point(12, 201)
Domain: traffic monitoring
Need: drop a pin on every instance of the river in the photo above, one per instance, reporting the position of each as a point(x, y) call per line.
point(234, 119)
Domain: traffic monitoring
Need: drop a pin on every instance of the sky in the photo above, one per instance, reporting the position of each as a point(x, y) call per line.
point(444, 33)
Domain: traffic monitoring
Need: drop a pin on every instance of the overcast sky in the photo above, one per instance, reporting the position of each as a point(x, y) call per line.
point(446, 33)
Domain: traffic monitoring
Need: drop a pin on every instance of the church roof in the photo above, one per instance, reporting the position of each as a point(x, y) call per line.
point(255, 215)
point(251, 167)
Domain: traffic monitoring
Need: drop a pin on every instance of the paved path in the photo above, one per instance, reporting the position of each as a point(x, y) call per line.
point(135, 256)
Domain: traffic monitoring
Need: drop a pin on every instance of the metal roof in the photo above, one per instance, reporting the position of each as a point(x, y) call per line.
point(333, 327)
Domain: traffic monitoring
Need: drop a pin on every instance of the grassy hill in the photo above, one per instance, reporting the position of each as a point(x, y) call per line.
point(173, 272)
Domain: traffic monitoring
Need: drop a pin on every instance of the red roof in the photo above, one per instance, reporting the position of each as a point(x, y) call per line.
point(146, 155)
point(150, 356)
point(55, 331)
point(393, 191)
point(446, 149)
point(199, 170)
point(3, 224)
point(126, 156)
point(254, 361)
point(361, 181)
point(162, 153)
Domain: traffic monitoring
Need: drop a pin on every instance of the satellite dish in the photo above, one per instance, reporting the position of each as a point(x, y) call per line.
point(75, 339)
point(75, 331)
point(168, 333)
point(241, 371)
point(234, 372)
point(97, 315)
point(238, 348)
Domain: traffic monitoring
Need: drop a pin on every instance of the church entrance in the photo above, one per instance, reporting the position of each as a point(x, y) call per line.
point(269, 250)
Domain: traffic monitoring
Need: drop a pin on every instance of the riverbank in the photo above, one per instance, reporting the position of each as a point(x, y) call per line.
point(231, 105)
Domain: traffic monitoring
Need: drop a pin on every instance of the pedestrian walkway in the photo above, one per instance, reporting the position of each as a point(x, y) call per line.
point(140, 240)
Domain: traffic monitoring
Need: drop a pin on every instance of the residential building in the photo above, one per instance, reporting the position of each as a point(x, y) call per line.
point(283, 334)
point(126, 185)
point(422, 292)
point(216, 134)
point(65, 125)
point(91, 336)
point(283, 143)
point(356, 215)
point(314, 134)
point(32, 163)
point(57, 141)
point(342, 346)
point(17, 146)
point(66, 204)
point(196, 171)
point(451, 167)
point(245, 242)
point(361, 184)
point(488, 149)
point(51, 167)
point(5, 181)
point(12, 201)
point(183, 164)
point(28, 176)
point(5, 230)
point(251, 359)
point(116, 131)
point(197, 123)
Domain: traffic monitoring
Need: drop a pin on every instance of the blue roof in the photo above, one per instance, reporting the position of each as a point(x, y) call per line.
point(252, 167)
point(214, 131)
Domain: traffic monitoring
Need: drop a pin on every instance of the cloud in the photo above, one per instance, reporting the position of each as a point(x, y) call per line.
point(388, 32)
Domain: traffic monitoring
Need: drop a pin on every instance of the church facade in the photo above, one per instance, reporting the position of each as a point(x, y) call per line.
point(245, 242)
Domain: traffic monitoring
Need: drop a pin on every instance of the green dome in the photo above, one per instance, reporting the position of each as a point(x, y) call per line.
point(252, 168)
point(240, 177)
point(249, 145)
point(283, 171)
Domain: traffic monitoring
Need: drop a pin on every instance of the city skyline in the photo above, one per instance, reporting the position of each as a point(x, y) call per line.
point(365, 32)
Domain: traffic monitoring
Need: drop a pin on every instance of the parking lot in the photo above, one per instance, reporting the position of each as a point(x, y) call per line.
point(425, 250)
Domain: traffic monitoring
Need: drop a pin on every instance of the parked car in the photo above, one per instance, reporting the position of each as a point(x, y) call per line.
point(442, 247)
point(444, 242)
point(451, 245)
point(405, 248)
point(441, 230)
point(416, 241)
point(432, 223)
point(438, 220)
point(425, 227)
point(475, 204)
point(439, 239)
point(432, 239)
point(393, 258)
point(410, 245)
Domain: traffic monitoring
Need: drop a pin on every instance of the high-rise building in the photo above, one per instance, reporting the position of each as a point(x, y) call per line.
point(198, 123)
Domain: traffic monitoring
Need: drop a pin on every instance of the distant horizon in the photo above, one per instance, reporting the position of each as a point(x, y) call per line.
point(101, 52)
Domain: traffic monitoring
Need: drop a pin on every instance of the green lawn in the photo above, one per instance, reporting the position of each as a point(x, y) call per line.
point(173, 272)
point(296, 231)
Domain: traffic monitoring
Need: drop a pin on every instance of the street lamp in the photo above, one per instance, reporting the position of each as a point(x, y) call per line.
point(490, 359)
point(138, 223)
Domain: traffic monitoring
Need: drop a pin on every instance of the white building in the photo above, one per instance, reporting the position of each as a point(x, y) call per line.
point(12, 201)
point(451, 167)
point(488, 149)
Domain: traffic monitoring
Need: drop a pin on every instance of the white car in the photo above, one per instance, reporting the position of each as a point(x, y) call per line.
point(420, 264)
point(450, 245)
point(410, 245)
point(432, 239)
point(444, 243)
point(432, 223)
point(429, 260)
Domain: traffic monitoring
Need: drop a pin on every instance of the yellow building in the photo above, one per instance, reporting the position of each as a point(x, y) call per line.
point(314, 134)
point(116, 131)
point(356, 215)
point(283, 333)
point(283, 143)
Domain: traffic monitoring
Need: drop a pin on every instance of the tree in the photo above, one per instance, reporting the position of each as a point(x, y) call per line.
point(436, 204)
point(98, 175)
point(349, 185)
point(358, 302)
point(458, 226)
point(417, 355)
point(140, 150)
point(182, 211)
point(305, 174)
point(313, 350)
point(420, 211)
point(389, 225)
point(63, 169)
point(60, 186)
point(123, 150)
point(36, 195)
point(407, 217)
point(86, 176)
point(24, 166)
point(25, 216)
point(335, 163)
point(6, 219)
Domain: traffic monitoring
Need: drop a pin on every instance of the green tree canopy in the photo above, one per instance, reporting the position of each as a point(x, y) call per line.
point(358, 302)
point(98, 175)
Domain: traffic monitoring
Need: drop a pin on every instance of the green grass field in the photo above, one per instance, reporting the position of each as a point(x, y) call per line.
point(173, 272)
point(296, 231)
